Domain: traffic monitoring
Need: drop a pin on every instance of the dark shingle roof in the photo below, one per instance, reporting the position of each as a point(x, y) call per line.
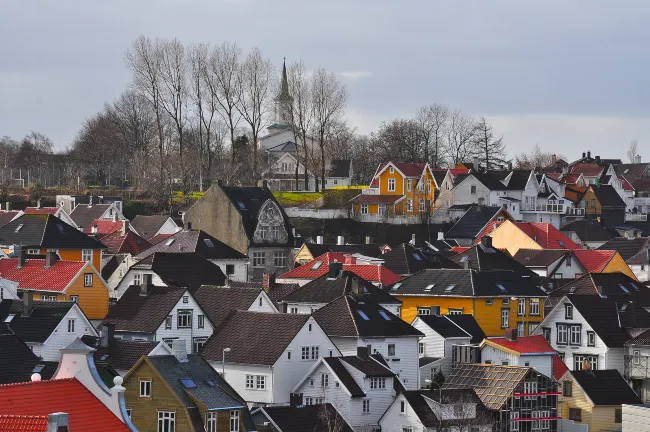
point(6, 216)
point(186, 269)
point(218, 302)
point(370, 366)
point(137, 313)
point(345, 377)
point(539, 257)
point(307, 418)
point(40, 323)
point(472, 222)
point(609, 285)
point(199, 242)
point(371, 250)
point(606, 387)
point(122, 353)
point(148, 226)
point(588, 230)
point(482, 258)
point(627, 247)
point(276, 291)
point(84, 215)
point(639, 259)
point(340, 168)
point(405, 259)
point(17, 361)
point(468, 323)
point(46, 231)
point(111, 264)
point(346, 316)
point(632, 171)
point(423, 361)
point(642, 339)
point(607, 196)
point(245, 332)
point(442, 325)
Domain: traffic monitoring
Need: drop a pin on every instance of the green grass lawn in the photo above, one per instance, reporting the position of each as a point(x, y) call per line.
point(296, 198)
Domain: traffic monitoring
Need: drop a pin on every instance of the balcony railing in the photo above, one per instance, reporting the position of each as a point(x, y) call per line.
point(370, 191)
point(635, 217)
point(552, 208)
point(637, 367)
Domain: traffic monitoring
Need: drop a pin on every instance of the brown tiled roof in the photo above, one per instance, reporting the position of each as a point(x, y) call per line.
point(122, 353)
point(218, 302)
point(148, 226)
point(199, 242)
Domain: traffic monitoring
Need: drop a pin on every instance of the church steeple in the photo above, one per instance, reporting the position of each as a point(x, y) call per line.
point(284, 101)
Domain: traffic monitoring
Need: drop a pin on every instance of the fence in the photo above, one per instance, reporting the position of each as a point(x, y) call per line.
point(316, 213)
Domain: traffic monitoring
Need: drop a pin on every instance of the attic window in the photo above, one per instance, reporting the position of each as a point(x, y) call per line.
point(363, 315)
point(627, 170)
point(38, 368)
point(501, 287)
point(396, 286)
point(317, 265)
point(384, 315)
point(625, 290)
point(19, 227)
point(449, 288)
point(417, 257)
point(429, 287)
point(561, 243)
point(188, 383)
point(210, 383)
point(208, 243)
point(9, 318)
point(169, 242)
point(241, 205)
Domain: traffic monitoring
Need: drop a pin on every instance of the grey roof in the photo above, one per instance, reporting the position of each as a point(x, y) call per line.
point(406, 259)
point(306, 418)
point(472, 222)
point(372, 250)
point(539, 257)
point(84, 215)
point(606, 387)
point(417, 401)
point(199, 242)
point(186, 269)
point(607, 196)
point(340, 168)
point(588, 230)
point(468, 323)
point(627, 247)
point(121, 354)
point(640, 258)
point(148, 226)
point(369, 366)
point(17, 361)
point(443, 326)
point(218, 302)
point(46, 231)
point(40, 323)
point(481, 258)
point(423, 361)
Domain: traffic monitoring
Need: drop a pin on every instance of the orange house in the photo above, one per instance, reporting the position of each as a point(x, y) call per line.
point(52, 280)
point(398, 189)
point(39, 233)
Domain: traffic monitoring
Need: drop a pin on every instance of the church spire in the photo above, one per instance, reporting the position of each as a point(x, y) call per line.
point(284, 87)
point(284, 101)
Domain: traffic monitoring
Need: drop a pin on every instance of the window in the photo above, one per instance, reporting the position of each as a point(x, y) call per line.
point(392, 170)
point(366, 406)
point(575, 414)
point(145, 388)
point(409, 205)
point(568, 311)
point(234, 420)
point(166, 421)
point(391, 185)
point(451, 311)
point(293, 310)
point(377, 383)
point(505, 300)
point(88, 279)
point(575, 335)
point(169, 341)
point(186, 299)
point(567, 388)
point(636, 357)
point(530, 388)
point(211, 422)
point(128, 412)
point(505, 318)
point(424, 311)
point(137, 279)
point(280, 259)
point(363, 208)
point(593, 203)
point(534, 307)
point(86, 255)
point(531, 328)
point(264, 232)
point(288, 355)
point(391, 350)
point(71, 326)
point(409, 184)
point(521, 330)
point(324, 380)
point(521, 307)
point(421, 348)
point(562, 334)
point(74, 298)
point(230, 269)
point(259, 259)
point(591, 338)
point(422, 208)
point(402, 407)
point(489, 302)
point(580, 360)
point(309, 353)
point(515, 424)
point(201, 321)
point(197, 343)
point(184, 319)
point(168, 322)
point(381, 209)
point(33, 251)
point(45, 297)
point(568, 261)
point(618, 415)
point(472, 189)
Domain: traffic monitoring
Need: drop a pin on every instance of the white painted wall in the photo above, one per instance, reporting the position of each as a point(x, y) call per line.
point(436, 346)
point(542, 363)
point(394, 420)
point(636, 418)
point(641, 272)
point(337, 396)
point(236, 377)
point(462, 192)
point(60, 338)
point(262, 304)
point(128, 280)
point(240, 266)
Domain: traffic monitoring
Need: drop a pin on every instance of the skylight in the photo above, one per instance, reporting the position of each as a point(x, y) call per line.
point(561, 243)
point(363, 315)
point(208, 243)
point(317, 265)
point(188, 383)
point(9, 318)
point(501, 287)
point(464, 258)
point(241, 205)
point(384, 315)
point(634, 286)
point(449, 288)
point(396, 286)
point(417, 257)
point(60, 227)
point(103, 357)
point(625, 290)
point(169, 242)
point(623, 307)
point(572, 290)
point(19, 227)
point(38, 368)
point(429, 287)
point(627, 170)
point(210, 383)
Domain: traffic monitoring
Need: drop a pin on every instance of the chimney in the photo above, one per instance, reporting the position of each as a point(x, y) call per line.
point(114, 216)
point(509, 165)
point(8, 206)
point(145, 285)
point(219, 182)
point(188, 226)
point(600, 290)
point(21, 257)
point(511, 334)
point(28, 302)
point(340, 240)
point(268, 281)
point(179, 349)
point(553, 159)
point(565, 169)
point(412, 239)
point(584, 155)
point(467, 263)
point(90, 201)
point(349, 259)
point(336, 268)
point(435, 310)
point(588, 154)
point(108, 334)
point(363, 352)
point(295, 400)
point(355, 286)
point(319, 239)
point(125, 227)
point(93, 230)
point(647, 251)
point(50, 259)
point(486, 241)
point(369, 240)
point(57, 422)
point(38, 203)
point(637, 159)
point(475, 164)
point(597, 159)
point(441, 235)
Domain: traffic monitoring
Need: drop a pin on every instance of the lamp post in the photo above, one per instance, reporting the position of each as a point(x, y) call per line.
point(223, 362)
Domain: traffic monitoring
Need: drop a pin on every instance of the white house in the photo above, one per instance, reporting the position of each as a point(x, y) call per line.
point(640, 265)
point(551, 263)
point(266, 354)
point(360, 387)
point(533, 351)
point(149, 227)
point(8, 289)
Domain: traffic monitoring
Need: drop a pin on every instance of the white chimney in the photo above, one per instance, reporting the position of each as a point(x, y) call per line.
point(340, 240)
point(319, 239)
point(637, 159)
point(179, 349)
point(57, 422)
point(441, 235)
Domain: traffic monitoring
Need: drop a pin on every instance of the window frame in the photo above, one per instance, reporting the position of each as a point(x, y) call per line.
point(562, 329)
point(591, 338)
point(567, 388)
point(88, 280)
point(200, 321)
point(521, 307)
point(234, 416)
point(168, 322)
point(166, 419)
point(85, 253)
point(365, 406)
point(259, 259)
point(575, 330)
point(568, 311)
point(391, 350)
point(575, 414)
point(279, 259)
point(198, 340)
point(142, 385)
point(505, 318)
point(184, 313)
point(71, 325)
point(393, 183)
point(533, 307)
point(363, 208)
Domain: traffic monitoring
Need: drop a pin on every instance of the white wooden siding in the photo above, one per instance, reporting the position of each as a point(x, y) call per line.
point(60, 338)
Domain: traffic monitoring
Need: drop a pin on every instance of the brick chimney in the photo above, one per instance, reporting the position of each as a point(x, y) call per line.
point(363, 352)
point(335, 270)
point(295, 399)
point(145, 285)
point(511, 334)
point(486, 241)
point(268, 281)
point(125, 227)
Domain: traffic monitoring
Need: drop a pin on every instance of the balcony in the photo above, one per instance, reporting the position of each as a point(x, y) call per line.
point(553, 208)
point(636, 217)
point(637, 367)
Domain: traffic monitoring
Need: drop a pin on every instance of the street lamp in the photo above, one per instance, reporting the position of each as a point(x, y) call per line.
point(223, 362)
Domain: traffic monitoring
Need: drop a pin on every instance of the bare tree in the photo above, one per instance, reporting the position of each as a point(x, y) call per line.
point(492, 150)
point(302, 117)
point(632, 151)
point(329, 98)
point(460, 143)
point(400, 140)
point(432, 120)
point(256, 80)
point(535, 159)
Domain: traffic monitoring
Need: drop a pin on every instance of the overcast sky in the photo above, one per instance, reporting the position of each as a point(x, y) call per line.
point(567, 75)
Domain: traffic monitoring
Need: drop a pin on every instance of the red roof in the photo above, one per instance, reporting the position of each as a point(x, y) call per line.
point(488, 230)
point(546, 235)
point(459, 249)
point(525, 345)
point(408, 169)
point(129, 243)
point(369, 272)
point(457, 171)
point(368, 199)
point(559, 367)
point(23, 423)
point(587, 169)
point(85, 411)
point(41, 210)
point(627, 186)
point(594, 261)
point(35, 276)
point(104, 227)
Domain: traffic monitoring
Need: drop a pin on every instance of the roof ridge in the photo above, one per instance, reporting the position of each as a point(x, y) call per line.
point(354, 321)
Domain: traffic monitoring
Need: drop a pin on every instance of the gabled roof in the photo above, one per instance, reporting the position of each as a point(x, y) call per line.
point(68, 395)
point(110, 263)
point(7, 216)
point(186, 269)
point(84, 215)
point(529, 345)
point(587, 169)
point(137, 313)
point(372, 250)
point(546, 235)
point(42, 210)
point(539, 257)
point(606, 387)
point(417, 399)
point(594, 261)
point(607, 196)
point(643, 339)
point(614, 286)
point(306, 418)
point(494, 384)
point(481, 257)
point(625, 184)
point(639, 259)
point(34, 275)
point(40, 323)
point(199, 242)
point(130, 243)
point(408, 169)
point(276, 291)
point(468, 323)
point(245, 332)
point(406, 259)
point(148, 226)
point(632, 171)
point(17, 361)
point(349, 316)
point(368, 365)
point(121, 354)
point(372, 199)
point(46, 231)
point(442, 325)
point(218, 302)
point(340, 168)
point(473, 222)
point(588, 230)
point(103, 227)
point(627, 247)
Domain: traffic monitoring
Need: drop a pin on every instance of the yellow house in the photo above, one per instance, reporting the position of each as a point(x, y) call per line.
point(603, 261)
point(497, 299)
point(513, 236)
point(594, 397)
point(398, 189)
point(53, 280)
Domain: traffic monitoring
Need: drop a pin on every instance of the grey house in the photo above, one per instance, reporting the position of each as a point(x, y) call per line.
point(249, 220)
